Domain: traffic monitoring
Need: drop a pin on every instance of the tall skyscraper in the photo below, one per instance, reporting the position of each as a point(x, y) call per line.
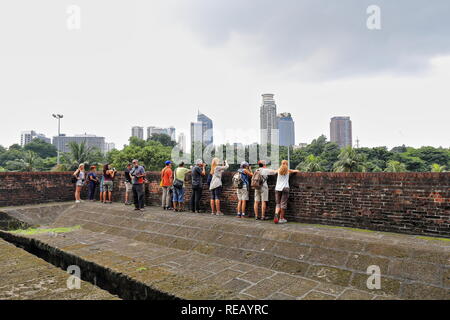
point(137, 132)
point(341, 131)
point(62, 143)
point(156, 130)
point(286, 127)
point(196, 132)
point(27, 136)
point(182, 142)
point(269, 121)
point(207, 128)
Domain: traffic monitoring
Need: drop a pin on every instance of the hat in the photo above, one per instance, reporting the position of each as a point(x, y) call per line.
point(168, 162)
point(244, 164)
point(198, 161)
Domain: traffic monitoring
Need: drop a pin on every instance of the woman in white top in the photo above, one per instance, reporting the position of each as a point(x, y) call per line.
point(282, 191)
point(216, 185)
point(80, 175)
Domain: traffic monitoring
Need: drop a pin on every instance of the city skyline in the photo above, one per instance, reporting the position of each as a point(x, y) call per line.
point(221, 58)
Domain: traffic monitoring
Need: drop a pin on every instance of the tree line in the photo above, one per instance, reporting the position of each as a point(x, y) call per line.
point(318, 156)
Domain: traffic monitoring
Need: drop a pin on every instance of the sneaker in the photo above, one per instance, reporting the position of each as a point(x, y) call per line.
point(256, 218)
point(213, 213)
point(239, 215)
point(276, 219)
point(219, 214)
point(282, 221)
point(77, 201)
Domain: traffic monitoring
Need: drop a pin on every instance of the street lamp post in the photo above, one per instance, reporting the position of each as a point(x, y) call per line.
point(58, 117)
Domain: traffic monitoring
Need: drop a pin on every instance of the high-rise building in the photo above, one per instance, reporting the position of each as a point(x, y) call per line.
point(269, 121)
point(109, 146)
point(27, 136)
point(137, 132)
point(156, 130)
point(341, 131)
point(207, 128)
point(62, 142)
point(286, 129)
point(182, 142)
point(196, 132)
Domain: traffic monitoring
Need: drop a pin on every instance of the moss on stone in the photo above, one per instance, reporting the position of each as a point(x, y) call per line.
point(34, 231)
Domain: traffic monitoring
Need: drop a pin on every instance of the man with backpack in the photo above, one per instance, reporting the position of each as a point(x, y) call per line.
point(138, 177)
point(259, 183)
point(241, 181)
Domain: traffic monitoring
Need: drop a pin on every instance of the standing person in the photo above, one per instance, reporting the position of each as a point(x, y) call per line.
point(282, 191)
point(108, 184)
point(166, 183)
point(216, 185)
point(245, 173)
point(128, 184)
point(138, 177)
point(102, 180)
point(80, 175)
point(93, 181)
point(198, 172)
point(178, 187)
point(259, 182)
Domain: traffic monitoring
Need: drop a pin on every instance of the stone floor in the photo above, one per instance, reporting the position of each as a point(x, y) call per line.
point(26, 277)
point(194, 256)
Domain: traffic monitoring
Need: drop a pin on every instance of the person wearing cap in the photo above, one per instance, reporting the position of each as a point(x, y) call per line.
point(198, 172)
point(262, 194)
point(166, 183)
point(137, 174)
point(243, 193)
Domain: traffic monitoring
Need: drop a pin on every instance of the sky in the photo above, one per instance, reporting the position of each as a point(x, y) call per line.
point(156, 63)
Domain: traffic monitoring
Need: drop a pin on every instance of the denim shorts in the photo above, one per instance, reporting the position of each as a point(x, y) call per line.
point(178, 195)
point(215, 193)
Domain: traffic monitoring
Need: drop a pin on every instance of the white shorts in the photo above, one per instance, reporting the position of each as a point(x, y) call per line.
point(262, 194)
point(242, 194)
point(128, 187)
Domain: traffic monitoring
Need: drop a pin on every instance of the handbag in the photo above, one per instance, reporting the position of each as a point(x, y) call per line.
point(177, 183)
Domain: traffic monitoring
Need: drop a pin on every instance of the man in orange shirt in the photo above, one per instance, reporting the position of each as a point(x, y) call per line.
point(166, 183)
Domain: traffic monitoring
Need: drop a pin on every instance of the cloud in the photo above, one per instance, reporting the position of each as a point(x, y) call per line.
point(327, 38)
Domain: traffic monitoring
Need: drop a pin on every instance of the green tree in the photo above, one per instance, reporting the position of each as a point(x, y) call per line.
point(30, 161)
point(164, 139)
point(437, 168)
point(395, 166)
point(41, 148)
point(81, 153)
point(311, 164)
point(350, 161)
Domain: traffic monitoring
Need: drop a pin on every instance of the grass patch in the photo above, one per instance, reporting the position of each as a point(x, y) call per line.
point(141, 269)
point(34, 231)
point(433, 239)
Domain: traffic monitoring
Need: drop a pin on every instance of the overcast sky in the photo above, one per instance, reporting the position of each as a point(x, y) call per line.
point(157, 62)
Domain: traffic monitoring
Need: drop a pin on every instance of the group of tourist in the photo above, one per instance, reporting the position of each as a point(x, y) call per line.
point(173, 186)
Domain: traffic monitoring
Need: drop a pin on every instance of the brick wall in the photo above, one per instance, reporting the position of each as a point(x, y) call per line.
point(417, 203)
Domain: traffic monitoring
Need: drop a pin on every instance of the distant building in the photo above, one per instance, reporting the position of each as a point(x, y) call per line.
point(341, 131)
point(269, 120)
point(137, 132)
point(196, 132)
point(62, 142)
point(156, 130)
point(286, 129)
point(207, 128)
point(109, 146)
point(27, 136)
point(202, 130)
point(182, 142)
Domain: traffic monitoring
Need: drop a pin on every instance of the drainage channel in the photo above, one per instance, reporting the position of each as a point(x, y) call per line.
point(115, 283)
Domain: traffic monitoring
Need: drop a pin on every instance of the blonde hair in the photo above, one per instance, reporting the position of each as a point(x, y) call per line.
point(81, 166)
point(214, 164)
point(284, 169)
